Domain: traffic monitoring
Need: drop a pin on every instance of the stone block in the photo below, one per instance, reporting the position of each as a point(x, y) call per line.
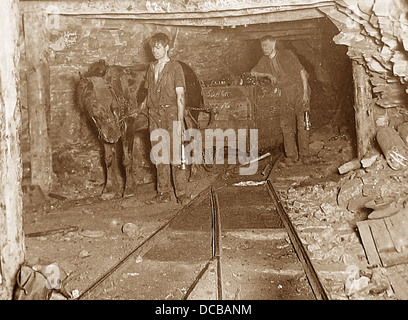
point(349, 166)
point(349, 190)
point(369, 158)
point(357, 204)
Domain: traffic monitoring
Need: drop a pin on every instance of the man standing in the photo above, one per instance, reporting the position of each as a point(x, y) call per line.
point(283, 68)
point(165, 101)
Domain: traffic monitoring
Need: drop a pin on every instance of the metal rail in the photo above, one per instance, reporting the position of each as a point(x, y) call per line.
point(144, 246)
point(197, 280)
point(216, 248)
point(314, 281)
point(216, 245)
point(215, 208)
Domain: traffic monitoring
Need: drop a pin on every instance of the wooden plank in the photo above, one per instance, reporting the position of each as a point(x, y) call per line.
point(231, 104)
point(226, 21)
point(400, 223)
point(368, 243)
point(38, 98)
point(363, 106)
point(252, 35)
point(390, 259)
point(229, 13)
point(12, 248)
point(399, 281)
point(174, 9)
point(349, 166)
point(394, 234)
point(398, 228)
point(391, 237)
point(381, 236)
point(281, 26)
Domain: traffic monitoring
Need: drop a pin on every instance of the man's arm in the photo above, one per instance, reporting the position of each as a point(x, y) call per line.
point(180, 105)
point(263, 75)
point(261, 70)
point(306, 88)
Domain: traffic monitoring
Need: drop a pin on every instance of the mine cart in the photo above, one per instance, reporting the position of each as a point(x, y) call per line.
point(243, 107)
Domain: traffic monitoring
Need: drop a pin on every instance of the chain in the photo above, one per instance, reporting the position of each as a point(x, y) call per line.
point(207, 110)
point(123, 104)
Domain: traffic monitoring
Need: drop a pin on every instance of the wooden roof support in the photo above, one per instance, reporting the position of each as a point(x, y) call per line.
point(216, 21)
point(363, 106)
point(12, 249)
point(175, 9)
point(212, 13)
point(38, 98)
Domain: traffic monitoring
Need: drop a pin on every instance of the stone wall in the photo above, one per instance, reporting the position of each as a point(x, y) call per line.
point(214, 53)
point(375, 33)
point(78, 42)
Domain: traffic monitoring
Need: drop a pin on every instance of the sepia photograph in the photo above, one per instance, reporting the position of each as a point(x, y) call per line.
point(197, 156)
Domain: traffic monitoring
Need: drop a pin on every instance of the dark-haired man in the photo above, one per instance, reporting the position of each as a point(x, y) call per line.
point(284, 69)
point(165, 101)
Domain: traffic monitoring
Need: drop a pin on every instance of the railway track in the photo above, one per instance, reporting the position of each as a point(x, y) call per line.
point(234, 241)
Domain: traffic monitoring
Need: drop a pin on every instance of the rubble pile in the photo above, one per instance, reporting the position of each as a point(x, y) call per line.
point(323, 225)
point(325, 215)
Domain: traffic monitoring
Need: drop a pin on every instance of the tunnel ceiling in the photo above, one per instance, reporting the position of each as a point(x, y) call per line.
point(375, 31)
point(192, 12)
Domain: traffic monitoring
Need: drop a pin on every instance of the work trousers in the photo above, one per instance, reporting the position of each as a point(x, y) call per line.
point(292, 121)
point(170, 177)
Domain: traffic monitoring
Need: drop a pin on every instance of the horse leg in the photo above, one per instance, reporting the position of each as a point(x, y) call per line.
point(128, 164)
point(191, 121)
point(111, 186)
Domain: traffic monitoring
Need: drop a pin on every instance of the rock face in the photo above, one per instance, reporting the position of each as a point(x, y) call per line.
point(376, 35)
point(325, 215)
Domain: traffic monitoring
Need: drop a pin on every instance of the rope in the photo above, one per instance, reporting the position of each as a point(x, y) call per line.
point(206, 110)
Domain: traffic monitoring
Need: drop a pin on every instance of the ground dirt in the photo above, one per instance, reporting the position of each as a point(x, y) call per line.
point(88, 237)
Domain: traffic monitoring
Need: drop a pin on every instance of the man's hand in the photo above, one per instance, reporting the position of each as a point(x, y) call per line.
point(143, 105)
point(306, 100)
point(272, 78)
point(180, 110)
point(264, 75)
point(180, 128)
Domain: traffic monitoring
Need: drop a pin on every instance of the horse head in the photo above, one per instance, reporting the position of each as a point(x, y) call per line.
point(97, 98)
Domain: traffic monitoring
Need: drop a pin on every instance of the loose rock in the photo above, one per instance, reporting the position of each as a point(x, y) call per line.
point(130, 229)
